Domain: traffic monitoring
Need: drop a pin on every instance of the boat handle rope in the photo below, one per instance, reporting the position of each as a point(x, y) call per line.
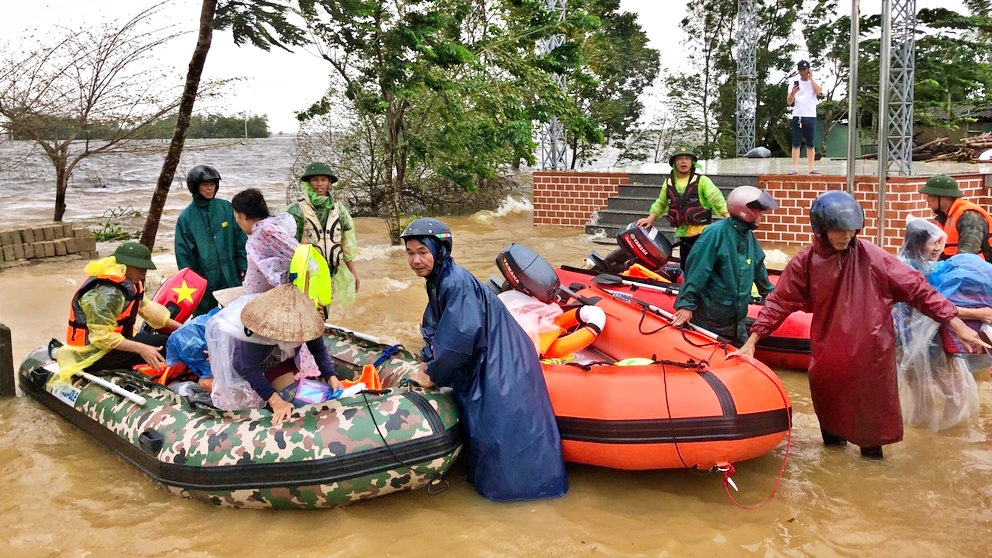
point(433, 481)
point(728, 468)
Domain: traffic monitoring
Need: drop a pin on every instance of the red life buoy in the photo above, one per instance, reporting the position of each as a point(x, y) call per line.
point(589, 321)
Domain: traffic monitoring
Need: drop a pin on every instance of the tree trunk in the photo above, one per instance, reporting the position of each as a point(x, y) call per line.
point(61, 185)
point(193, 74)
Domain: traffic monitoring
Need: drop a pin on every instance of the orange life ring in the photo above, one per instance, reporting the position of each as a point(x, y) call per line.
point(589, 320)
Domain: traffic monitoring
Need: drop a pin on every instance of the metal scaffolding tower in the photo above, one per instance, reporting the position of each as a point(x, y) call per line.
point(902, 69)
point(747, 74)
point(553, 146)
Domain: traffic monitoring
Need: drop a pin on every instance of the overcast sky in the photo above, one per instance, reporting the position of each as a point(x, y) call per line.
point(277, 83)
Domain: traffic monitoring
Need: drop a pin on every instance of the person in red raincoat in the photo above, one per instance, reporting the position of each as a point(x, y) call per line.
point(850, 285)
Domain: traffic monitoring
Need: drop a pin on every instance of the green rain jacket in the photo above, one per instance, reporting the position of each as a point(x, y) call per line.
point(210, 242)
point(723, 264)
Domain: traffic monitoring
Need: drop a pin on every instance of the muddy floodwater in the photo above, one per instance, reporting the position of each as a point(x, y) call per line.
point(65, 495)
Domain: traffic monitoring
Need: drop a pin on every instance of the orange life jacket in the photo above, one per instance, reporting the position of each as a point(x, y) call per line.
point(78, 334)
point(951, 227)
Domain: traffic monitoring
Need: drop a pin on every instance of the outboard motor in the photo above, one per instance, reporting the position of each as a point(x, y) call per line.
point(648, 247)
point(528, 273)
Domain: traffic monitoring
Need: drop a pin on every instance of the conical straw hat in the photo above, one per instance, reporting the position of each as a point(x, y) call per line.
point(283, 314)
point(226, 296)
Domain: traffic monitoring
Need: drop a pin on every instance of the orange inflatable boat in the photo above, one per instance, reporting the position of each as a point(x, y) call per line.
point(681, 404)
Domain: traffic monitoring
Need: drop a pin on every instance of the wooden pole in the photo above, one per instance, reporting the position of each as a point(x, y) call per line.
point(6, 363)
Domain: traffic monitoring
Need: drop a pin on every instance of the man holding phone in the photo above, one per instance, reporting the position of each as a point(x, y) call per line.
point(803, 96)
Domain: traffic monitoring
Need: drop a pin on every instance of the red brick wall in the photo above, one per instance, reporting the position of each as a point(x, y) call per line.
point(790, 223)
point(571, 198)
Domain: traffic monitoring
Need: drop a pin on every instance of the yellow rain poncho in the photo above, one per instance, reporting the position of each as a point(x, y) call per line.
point(102, 305)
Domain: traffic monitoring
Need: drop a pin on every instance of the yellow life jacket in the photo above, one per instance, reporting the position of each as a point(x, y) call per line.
point(315, 284)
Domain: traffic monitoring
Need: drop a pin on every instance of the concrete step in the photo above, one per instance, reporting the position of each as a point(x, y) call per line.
point(641, 205)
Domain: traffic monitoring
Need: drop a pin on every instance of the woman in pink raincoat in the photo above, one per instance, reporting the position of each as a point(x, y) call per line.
point(850, 285)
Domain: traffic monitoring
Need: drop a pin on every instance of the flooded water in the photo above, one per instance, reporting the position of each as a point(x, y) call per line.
point(65, 495)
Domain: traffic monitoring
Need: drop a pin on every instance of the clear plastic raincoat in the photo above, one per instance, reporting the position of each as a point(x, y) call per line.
point(936, 390)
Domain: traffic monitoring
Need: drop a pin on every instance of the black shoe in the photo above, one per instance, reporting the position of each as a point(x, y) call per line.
point(873, 452)
point(832, 439)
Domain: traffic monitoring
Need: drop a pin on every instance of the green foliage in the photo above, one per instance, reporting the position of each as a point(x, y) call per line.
point(617, 67)
point(111, 223)
point(263, 23)
point(443, 90)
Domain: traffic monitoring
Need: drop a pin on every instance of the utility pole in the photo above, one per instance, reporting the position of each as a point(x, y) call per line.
point(553, 145)
point(747, 74)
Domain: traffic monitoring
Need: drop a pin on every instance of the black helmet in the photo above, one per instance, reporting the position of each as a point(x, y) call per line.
point(836, 210)
point(200, 174)
point(426, 226)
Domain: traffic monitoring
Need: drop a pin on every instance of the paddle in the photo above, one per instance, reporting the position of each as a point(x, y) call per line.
point(667, 315)
point(114, 388)
point(608, 279)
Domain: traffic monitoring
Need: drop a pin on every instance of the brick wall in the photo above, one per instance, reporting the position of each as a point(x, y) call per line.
point(790, 223)
point(571, 198)
point(45, 242)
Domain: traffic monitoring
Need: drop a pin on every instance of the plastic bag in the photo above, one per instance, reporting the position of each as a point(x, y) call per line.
point(231, 391)
point(188, 345)
point(966, 280)
point(535, 317)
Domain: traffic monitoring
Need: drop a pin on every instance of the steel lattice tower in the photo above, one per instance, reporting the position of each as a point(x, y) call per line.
point(553, 145)
point(747, 74)
point(901, 73)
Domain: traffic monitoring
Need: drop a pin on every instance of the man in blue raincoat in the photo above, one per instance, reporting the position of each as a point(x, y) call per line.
point(475, 346)
point(208, 240)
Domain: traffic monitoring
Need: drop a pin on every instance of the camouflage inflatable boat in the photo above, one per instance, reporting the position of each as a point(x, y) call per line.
point(329, 454)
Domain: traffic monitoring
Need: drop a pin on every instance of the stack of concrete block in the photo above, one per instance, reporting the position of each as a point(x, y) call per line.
point(50, 242)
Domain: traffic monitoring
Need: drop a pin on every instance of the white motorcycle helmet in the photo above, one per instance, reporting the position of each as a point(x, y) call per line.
point(747, 202)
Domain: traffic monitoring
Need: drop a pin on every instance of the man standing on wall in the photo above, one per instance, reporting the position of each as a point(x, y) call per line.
point(803, 96)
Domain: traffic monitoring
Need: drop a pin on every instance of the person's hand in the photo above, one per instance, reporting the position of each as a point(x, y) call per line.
point(795, 89)
point(968, 337)
point(152, 355)
point(358, 283)
point(645, 222)
point(983, 314)
point(420, 377)
point(206, 383)
point(682, 316)
point(281, 409)
point(334, 383)
point(746, 352)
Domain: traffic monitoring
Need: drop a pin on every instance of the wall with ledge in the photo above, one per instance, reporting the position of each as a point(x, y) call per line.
point(571, 199)
point(49, 242)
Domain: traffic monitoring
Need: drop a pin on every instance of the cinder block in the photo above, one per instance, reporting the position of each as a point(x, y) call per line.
point(49, 249)
point(27, 236)
point(86, 243)
point(18, 251)
point(7, 237)
point(72, 245)
point(60, 248)
point(8, 253)
point(49, 232)
point(66, 230)
point(29, 251)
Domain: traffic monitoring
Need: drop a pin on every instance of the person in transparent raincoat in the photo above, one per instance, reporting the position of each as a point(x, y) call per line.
point(936, 390)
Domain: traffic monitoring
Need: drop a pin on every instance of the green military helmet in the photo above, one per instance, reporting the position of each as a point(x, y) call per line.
point(683, 150)
point(319, 169)
point(942, 185)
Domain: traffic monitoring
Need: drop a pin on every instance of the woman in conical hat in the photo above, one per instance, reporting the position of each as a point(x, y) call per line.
point(261, 334)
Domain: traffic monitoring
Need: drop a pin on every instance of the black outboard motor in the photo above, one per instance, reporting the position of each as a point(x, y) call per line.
point(648, 247)
point(528, 273)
